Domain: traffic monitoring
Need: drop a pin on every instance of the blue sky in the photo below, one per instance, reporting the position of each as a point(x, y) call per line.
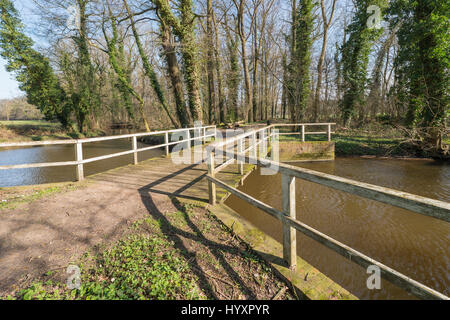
point(9, 87)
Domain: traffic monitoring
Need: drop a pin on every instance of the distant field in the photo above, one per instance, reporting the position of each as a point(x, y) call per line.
point(35, 123)
point(26, 130)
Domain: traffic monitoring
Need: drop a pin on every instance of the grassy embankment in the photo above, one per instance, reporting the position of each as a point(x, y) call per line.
point(376, 140)
point(36, 130)
point(13, 197)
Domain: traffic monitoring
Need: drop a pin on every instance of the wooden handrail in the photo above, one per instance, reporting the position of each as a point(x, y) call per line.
point(87, 140)
point(80, 160)
point(422, 205)
point(218, 144)
point(357, 257)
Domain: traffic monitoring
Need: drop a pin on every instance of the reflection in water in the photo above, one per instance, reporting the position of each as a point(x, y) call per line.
point(57, 153)
point(413, 244)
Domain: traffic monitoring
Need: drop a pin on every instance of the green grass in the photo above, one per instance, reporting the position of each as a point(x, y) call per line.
point(138, 267)
point(38, 130)
point(360, 143)
point(11, 198)
point(366, 145)
point(34, 123)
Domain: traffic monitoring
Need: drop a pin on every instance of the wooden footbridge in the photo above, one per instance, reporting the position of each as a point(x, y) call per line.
point(201, 170)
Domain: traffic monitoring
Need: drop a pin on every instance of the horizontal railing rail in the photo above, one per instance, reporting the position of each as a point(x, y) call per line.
point(421, 205)
point(302, 132)
point(78, 143)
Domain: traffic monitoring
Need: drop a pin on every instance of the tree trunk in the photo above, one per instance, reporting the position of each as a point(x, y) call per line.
point(148, 68)
point(326, 26)
point(222, 109)
point(184, 28)
point(210, 63)
point(248, 114)
point(174, 73)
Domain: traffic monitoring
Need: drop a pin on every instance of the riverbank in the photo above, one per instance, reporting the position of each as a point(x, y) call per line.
point(37, 130)
point(379, 141)
point(14, 197)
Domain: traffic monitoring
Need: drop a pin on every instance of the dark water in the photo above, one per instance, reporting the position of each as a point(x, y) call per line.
point(56, 153)
point(413, 244)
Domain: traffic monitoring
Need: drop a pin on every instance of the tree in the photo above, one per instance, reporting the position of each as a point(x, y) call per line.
point(173, 70)
point(326, 26)
point(184, 28)
point(243, 37)
point(149, 72)
point(32, 69)
point(233, 78)
point(210, 62)
point(301, 43)
point(85, 95)
point(118, 67)
point(423, 64)
point(217, 63)
point(355, 58)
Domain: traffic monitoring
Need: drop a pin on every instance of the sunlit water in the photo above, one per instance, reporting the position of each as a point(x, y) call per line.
point(59, 153)
point(413, 244)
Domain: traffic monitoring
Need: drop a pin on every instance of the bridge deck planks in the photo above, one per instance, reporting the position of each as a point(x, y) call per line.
point(161, 175)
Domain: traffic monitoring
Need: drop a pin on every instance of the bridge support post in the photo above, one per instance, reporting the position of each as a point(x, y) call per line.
point(329, 132)
point(166, 139)
point(289, 233)
point(79, 158)
point(303, 133)
point(211, 185)
point(135, 155)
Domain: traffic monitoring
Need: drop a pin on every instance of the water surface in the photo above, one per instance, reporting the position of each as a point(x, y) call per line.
point(413, 244)
point(57, 153)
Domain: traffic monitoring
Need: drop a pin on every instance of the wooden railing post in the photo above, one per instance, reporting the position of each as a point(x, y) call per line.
point(188, 137)
point(166, 139)
point(329, 132)
point(255, 149)
point(263, 143)
point(303, 133)
point(135, 155)
point(289, 233)
point(204, 135)
point(79, 158)
point(211, 185)
point(240, 149)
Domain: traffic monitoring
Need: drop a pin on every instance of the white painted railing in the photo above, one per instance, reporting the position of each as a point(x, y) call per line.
point(79, 162)
point(302, 132)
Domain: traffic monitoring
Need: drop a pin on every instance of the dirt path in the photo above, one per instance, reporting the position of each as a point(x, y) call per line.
point(49, 233)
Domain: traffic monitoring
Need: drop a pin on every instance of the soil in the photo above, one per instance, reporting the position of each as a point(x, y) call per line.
point(54, 231)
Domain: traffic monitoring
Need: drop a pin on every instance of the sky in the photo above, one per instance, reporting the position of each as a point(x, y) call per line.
point(9, 88)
